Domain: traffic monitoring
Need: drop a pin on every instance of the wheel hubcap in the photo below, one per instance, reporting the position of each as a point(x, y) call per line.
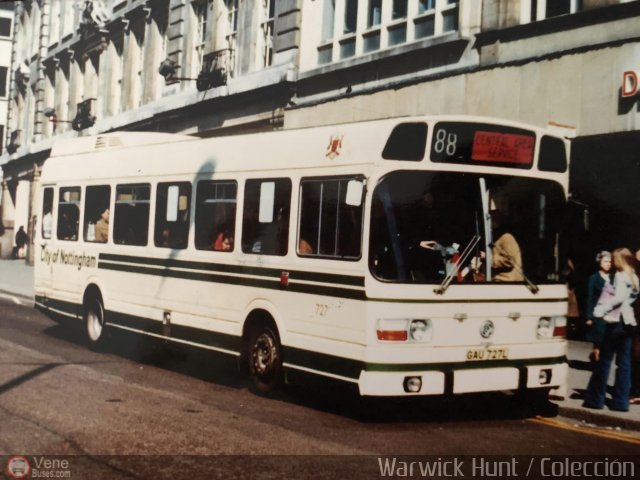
point(264, 354)
point(94, 325)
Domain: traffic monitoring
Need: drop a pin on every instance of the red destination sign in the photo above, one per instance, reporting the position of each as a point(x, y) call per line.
point(503, 147)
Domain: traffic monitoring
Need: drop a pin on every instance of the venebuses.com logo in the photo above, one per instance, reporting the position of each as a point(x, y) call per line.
point(19, 466)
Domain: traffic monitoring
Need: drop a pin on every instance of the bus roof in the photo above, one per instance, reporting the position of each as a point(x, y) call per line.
point(132, 154)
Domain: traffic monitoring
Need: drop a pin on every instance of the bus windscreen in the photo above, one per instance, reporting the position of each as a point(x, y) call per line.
point(485, 144)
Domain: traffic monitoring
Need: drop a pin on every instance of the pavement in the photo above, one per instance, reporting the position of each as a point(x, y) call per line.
point(16, 281)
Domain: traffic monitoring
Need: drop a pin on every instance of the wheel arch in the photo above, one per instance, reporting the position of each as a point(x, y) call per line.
point(262, 311)
point(93, 289)
point(259, 312)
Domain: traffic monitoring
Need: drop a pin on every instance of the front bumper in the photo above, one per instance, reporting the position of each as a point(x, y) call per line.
point(461, 379)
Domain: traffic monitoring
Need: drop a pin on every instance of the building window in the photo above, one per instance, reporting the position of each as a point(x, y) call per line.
point(374, 15)
point(3, 81)
point(5, 27)
point(350, 16)
point(328, 19)
point(267, 31)
point(384, 24)
point(542, 9)
point(232, 31)
point(201, 12)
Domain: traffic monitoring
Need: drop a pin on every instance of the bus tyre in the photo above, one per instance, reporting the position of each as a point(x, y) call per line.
point(94, 321)
point(264, 358)
point(536, 402)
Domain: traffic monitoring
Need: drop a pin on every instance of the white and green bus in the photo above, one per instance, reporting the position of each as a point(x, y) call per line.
point(364, 253)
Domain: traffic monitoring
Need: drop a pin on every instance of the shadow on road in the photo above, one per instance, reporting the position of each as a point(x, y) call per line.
point(324, 395)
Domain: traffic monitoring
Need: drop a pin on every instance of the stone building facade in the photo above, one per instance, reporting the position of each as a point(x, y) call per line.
point(231, 66)
point(6, 33)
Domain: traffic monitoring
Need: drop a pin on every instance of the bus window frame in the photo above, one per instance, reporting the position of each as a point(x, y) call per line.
point(320, 178)
point(149, 202)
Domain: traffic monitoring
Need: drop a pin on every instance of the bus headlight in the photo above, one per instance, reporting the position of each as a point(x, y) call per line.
point(552, 327)
point(420, 330)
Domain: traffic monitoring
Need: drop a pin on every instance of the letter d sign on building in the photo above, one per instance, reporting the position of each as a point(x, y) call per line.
point(630, 84)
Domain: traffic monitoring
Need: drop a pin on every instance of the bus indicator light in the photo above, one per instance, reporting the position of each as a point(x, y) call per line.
point(392, 335)
point(284, 279)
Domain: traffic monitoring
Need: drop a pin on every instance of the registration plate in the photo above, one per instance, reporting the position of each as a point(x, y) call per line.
point(490, 353)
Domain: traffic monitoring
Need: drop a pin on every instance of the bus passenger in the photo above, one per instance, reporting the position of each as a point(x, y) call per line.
point(304, 247)
point(47, 222)
point(102, 227)
point(67, 226)
point(224, 242)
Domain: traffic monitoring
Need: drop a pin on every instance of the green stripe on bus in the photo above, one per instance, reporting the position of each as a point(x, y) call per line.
point(194, 335)
point(69, 308)
point(295, 357)
point(349, 280)
point(273, 284)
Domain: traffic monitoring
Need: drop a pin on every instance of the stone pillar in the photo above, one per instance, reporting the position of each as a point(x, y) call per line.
point(7, 212)
point(153, 56)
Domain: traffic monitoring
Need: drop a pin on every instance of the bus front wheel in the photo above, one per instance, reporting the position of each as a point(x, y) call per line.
point(264, 357)
point(94, 321)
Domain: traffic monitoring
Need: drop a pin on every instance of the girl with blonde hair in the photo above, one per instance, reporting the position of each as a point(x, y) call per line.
point(620, 322)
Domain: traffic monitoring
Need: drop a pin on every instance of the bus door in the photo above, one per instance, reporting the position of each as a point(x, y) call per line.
point(44, 248)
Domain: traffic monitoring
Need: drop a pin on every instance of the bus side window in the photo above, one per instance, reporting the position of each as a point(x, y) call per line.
point(215, 214)
point(131, 216)
point(47, 213)
point(265, 222)
point(329, 226)
point(172, 215)
point(68, 213)
point(96, 213)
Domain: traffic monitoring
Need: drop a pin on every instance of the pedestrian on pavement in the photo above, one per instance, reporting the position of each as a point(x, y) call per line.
point(635, 358)
point(21, 241)
point(620, 322)
point(596, 284)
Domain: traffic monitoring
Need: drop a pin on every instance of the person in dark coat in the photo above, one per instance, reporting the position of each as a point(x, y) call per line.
point(21, 241)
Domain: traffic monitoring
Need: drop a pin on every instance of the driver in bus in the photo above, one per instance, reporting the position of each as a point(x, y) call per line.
point(506, 261)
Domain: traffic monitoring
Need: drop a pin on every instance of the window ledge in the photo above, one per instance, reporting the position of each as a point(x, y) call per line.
point(561, 23)
point(382, 54)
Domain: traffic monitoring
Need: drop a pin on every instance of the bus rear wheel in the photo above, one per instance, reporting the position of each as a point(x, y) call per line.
point(264, 358)
point(94, 321)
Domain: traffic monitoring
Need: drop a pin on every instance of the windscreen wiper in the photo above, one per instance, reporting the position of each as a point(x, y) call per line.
point(456, 267)
point(530, 285)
